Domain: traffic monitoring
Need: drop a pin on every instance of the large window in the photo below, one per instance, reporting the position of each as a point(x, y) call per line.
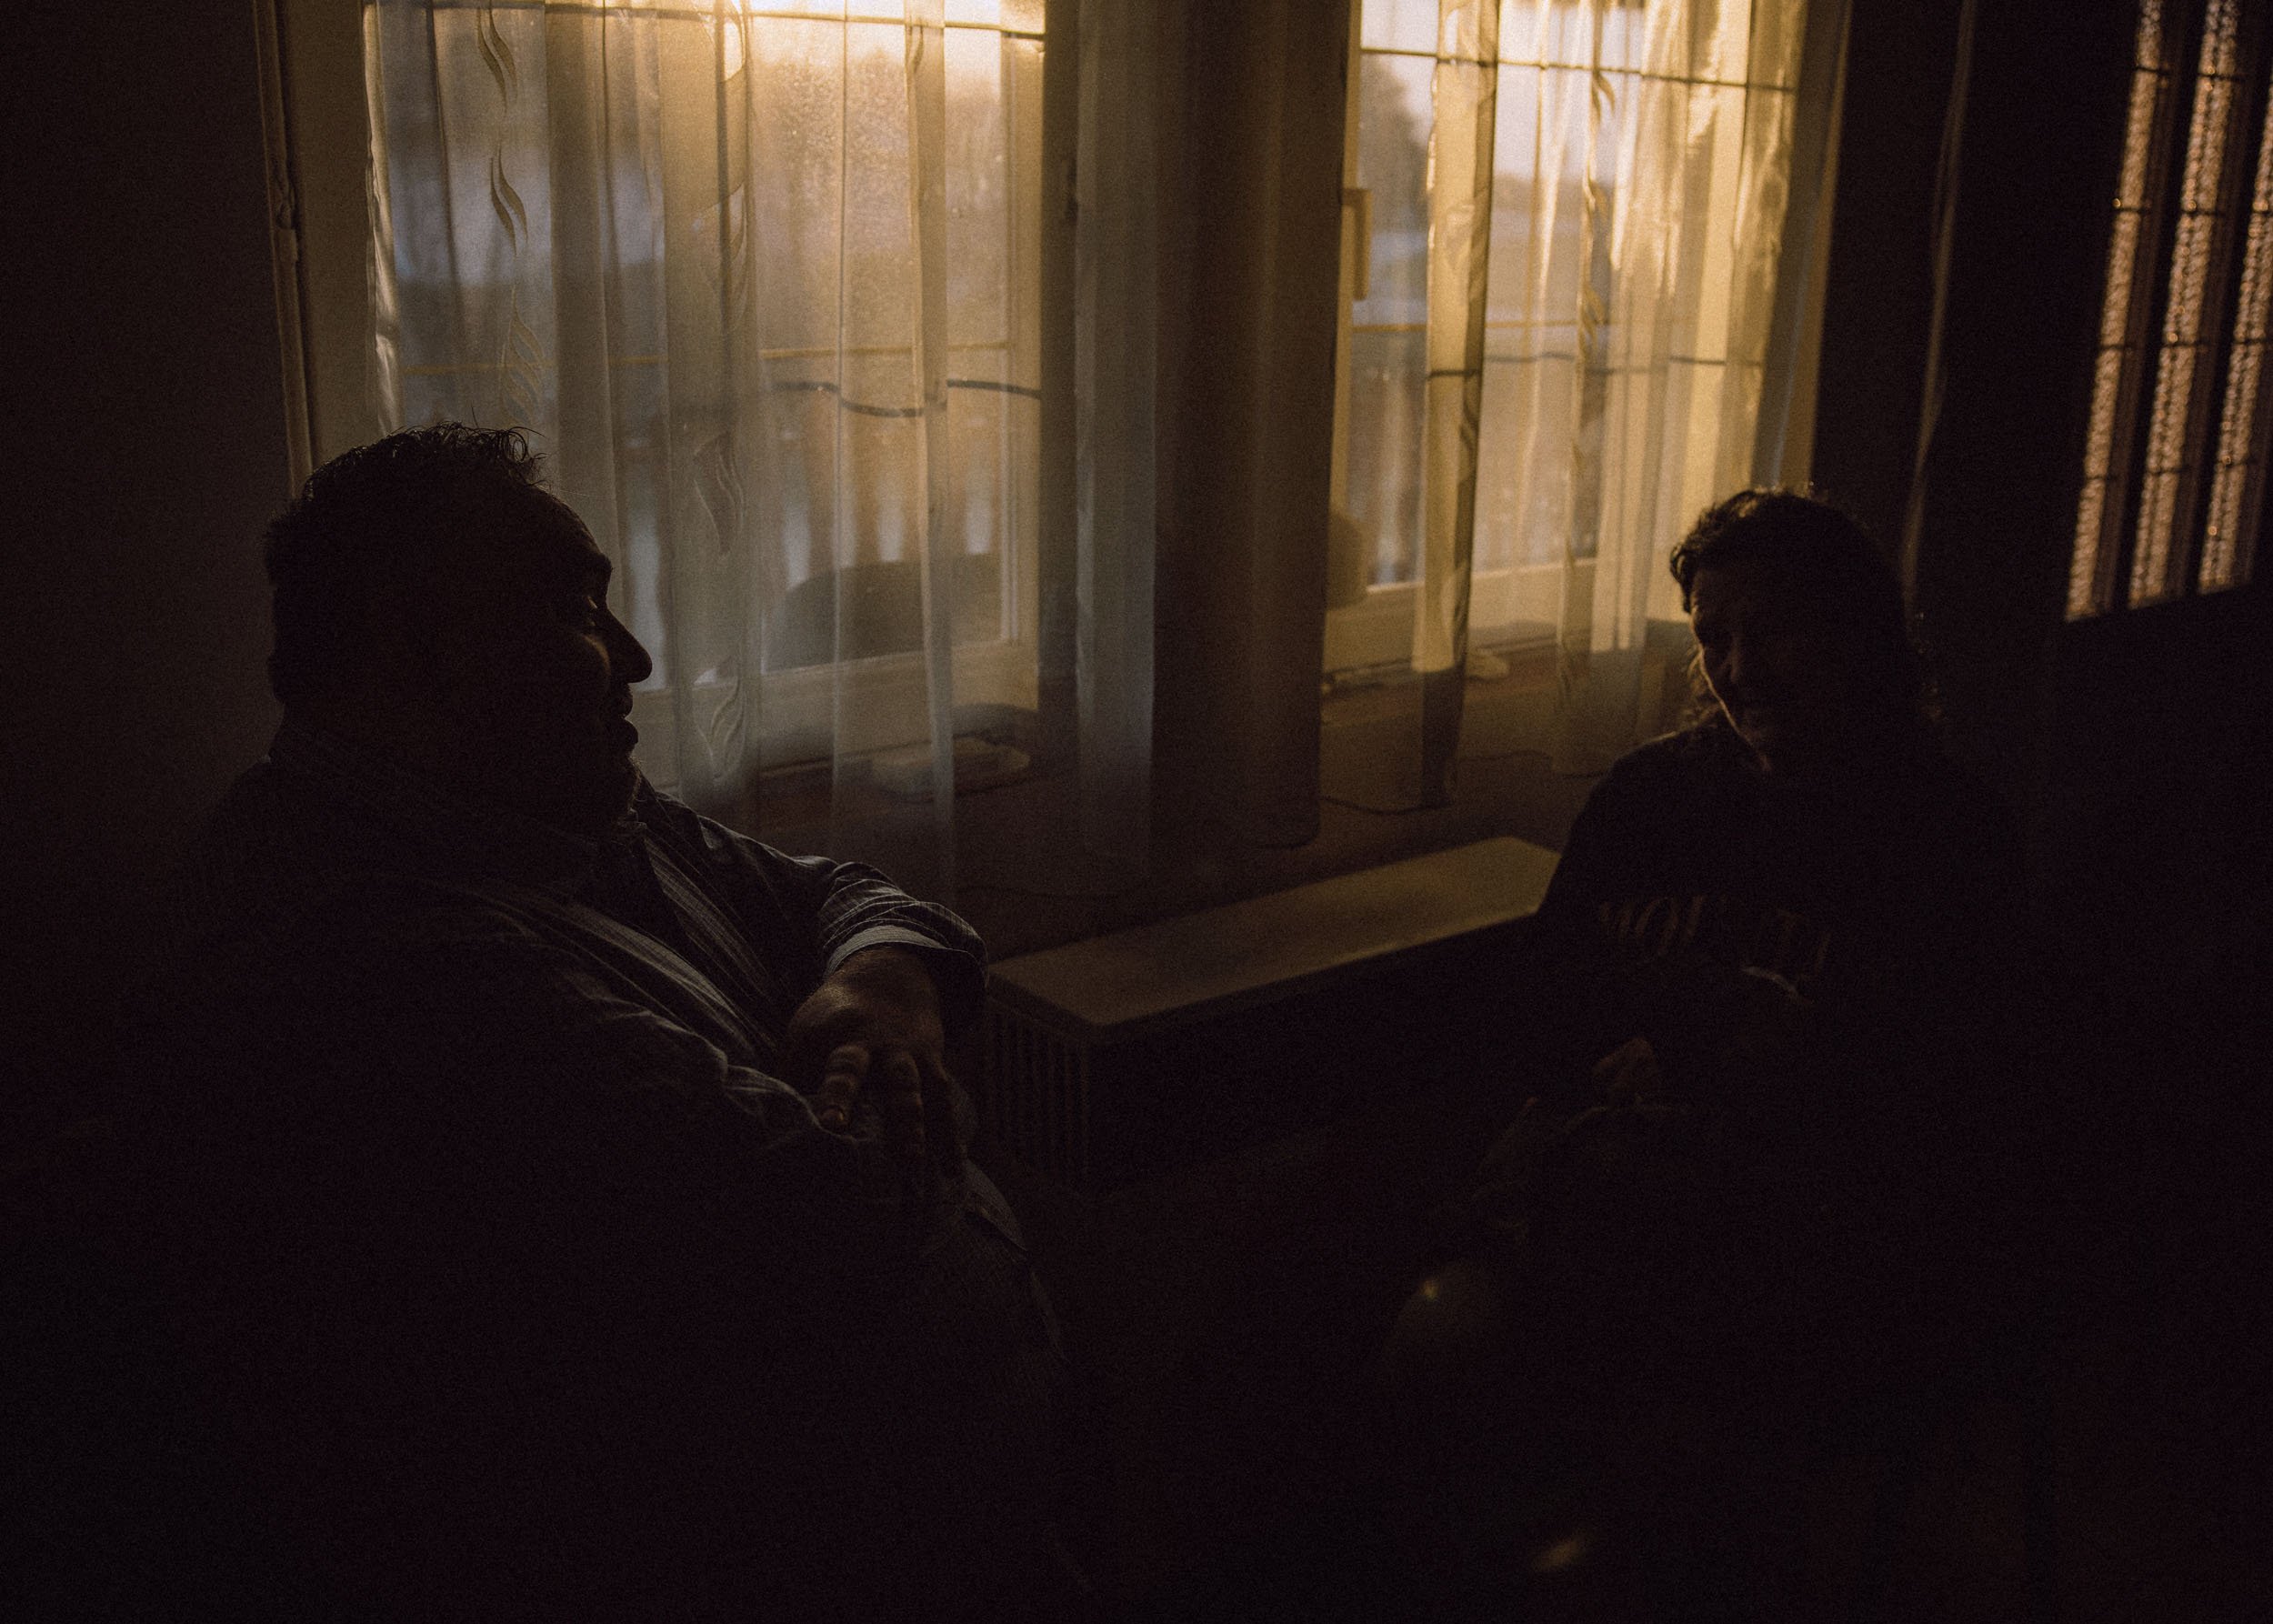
point(835, 320)
point(1581, 265)
point(2176, 451)
point(762, 280)
point(508, 242)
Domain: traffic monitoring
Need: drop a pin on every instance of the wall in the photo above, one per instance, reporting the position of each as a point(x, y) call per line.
point(2043, 142)
point(1878, 293)
point(146, 447)
point(2038, 148)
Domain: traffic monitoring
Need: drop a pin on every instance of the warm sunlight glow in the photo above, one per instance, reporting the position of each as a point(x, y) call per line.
point(790, 29)
point(2236, 490)
point(2087, 581)
point(2181, 371)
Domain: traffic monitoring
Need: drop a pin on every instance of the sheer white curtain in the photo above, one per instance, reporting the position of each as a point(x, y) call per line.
point(1589, 219)
point(763, 281)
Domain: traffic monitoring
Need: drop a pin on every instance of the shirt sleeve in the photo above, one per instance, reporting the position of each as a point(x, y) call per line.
point(817, 912)
point(494, 1076)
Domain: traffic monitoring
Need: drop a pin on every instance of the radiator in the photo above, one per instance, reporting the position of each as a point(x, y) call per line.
point(1125, 1056)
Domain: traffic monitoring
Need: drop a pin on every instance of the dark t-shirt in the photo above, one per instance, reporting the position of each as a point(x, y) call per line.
point(1829, 972)
point(1889, 867)
point(1884, 900)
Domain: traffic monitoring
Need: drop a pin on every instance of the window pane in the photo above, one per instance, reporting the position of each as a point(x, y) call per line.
point(2089, 581)
point(677, 247)
point(2237, 490)
point(1624, 319)
point(1388, 351)
point(2182, 373)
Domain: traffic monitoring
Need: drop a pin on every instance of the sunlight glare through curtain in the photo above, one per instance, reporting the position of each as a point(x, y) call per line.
point(762, 281)
point(1572, 388)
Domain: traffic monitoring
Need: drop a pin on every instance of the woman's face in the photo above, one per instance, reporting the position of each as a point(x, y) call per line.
point(1781, 671)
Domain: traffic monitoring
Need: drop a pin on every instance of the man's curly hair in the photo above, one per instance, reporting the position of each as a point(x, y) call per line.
point(1825, 557)
point(379, 514)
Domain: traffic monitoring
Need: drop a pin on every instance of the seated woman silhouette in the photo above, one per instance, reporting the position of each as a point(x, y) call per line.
point(1768, 1001)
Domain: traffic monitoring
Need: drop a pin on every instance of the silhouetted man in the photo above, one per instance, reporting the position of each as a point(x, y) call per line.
point(567, 1200)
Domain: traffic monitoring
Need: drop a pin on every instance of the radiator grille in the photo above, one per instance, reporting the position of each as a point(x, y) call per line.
point(1034, 1096)
point(1114, 1059)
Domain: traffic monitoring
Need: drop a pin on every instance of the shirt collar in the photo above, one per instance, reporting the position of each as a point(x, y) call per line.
point(464, 838)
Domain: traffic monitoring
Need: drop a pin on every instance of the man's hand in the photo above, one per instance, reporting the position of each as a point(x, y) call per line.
point(871, 1034)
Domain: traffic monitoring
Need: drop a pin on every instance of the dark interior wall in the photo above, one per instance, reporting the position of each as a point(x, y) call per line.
point(1877, 289)
point(2036, 153)
point(2042, 146)
point(145, 449)
point(2160, 777)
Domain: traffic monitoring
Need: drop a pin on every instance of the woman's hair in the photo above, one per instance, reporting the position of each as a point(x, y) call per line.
point(376, 516)
point(1830, 563)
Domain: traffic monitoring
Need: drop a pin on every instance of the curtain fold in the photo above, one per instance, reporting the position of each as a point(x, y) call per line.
point(1465, 94)
point(926, 58)
point(1595, 363)
point(763, 286)
point(1115, 338)
point(1257, 212)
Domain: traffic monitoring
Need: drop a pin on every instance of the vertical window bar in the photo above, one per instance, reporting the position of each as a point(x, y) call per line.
point(2122, 323)
point(2237, 477)
point(2183, 372)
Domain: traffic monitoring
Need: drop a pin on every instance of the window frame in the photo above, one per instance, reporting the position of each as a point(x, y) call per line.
point(1519, 606)
point(2105, 573)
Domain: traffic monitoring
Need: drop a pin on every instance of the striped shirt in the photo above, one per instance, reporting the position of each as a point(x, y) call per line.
point(588, 1015)
point(505, 1248)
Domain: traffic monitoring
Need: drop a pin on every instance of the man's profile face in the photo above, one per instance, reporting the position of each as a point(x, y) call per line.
point(537, 694)
point(1777, 664)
